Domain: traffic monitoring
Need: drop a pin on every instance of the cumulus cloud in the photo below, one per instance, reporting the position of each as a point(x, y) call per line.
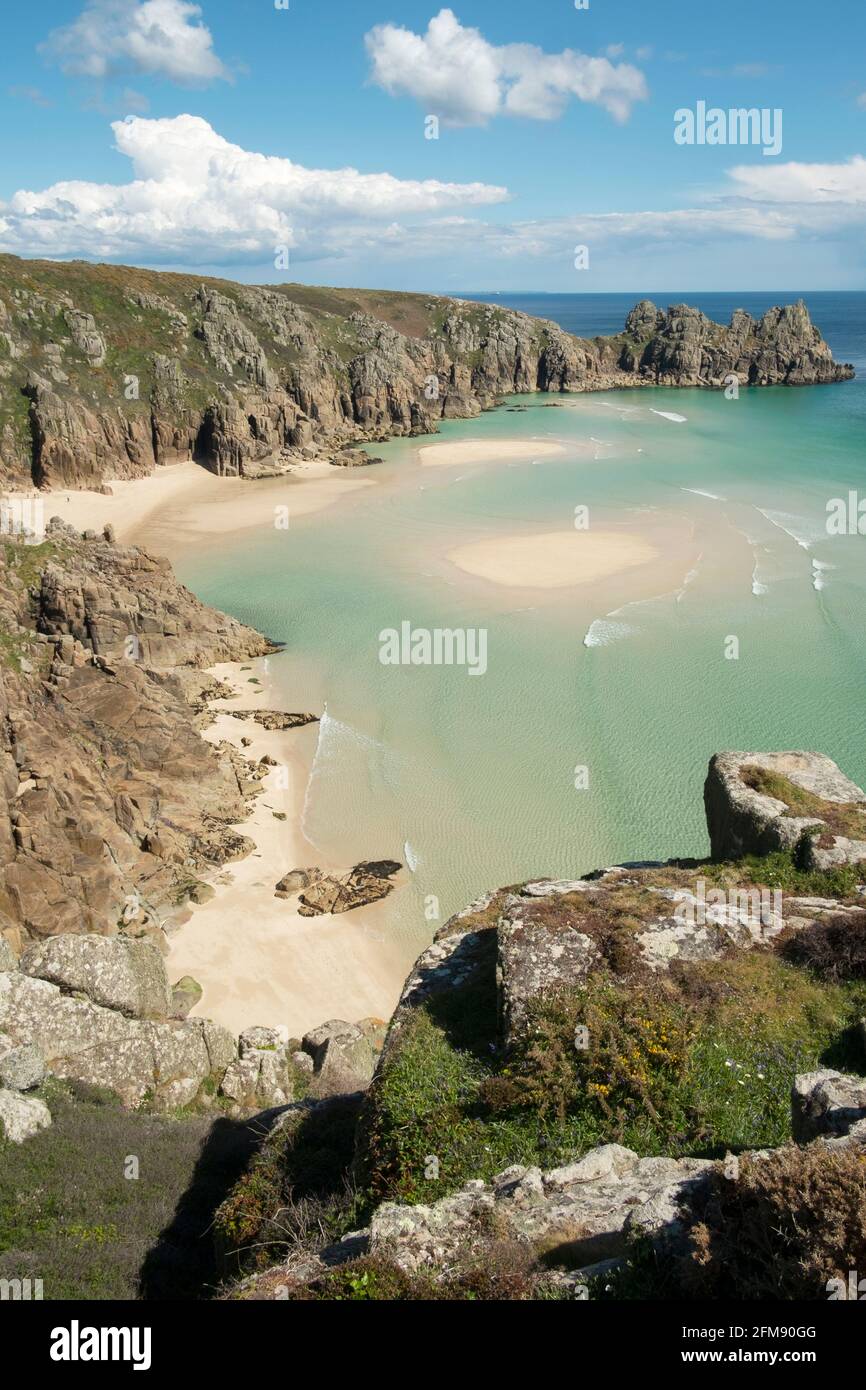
point(456, 74)
point(158, 38)
point(197, 198)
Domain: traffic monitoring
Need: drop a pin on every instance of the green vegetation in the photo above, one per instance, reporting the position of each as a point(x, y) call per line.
point(71, 1216)
point(834, 949)
point(499, 1272)
point(782, 1229)
point(296, 1192)
point(839, 818)
point(698, 1063)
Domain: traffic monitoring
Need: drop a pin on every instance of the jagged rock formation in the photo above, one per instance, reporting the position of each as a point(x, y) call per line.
point(327, 893)
point(109, 372)
point(112, 806)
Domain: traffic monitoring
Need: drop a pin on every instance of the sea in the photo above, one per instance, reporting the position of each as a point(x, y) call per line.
point(585, 742)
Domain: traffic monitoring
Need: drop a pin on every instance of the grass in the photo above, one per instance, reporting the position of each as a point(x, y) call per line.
point(696, 1064)
point(837, 818)
point(70, 1216)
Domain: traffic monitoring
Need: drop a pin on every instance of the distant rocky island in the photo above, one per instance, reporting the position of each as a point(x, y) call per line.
point(111, 371)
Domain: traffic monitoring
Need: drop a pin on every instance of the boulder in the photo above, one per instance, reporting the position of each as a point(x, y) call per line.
point(262, 1076)
point(8, 958)
point(759, 803)
point(185, 995)
point(828, 1104)
point(366, 883)
point(295, 881)
point(22, 1068)
point(21, 1117)
point(121, 974)
point(343, 1058)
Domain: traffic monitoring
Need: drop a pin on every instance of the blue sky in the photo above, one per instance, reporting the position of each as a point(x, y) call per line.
point(204, 137)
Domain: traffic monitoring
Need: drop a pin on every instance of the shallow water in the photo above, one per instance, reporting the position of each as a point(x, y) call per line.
point(471, 780)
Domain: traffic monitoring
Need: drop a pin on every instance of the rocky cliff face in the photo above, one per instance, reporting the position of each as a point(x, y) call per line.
point(109, 372)
point(112, 806)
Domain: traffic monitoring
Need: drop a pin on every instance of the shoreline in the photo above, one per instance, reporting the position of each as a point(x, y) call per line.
point(183, 503)
point(256, 958)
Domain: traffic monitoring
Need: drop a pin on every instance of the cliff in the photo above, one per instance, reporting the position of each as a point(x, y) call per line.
point(109, 371)
point(112, 806)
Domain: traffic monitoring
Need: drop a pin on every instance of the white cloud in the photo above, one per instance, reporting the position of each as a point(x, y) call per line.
point(804, 183)
point(197, 198)
point(455, 73)
point(157, 38)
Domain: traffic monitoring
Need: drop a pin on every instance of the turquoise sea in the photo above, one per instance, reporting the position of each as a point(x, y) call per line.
point(471, 780)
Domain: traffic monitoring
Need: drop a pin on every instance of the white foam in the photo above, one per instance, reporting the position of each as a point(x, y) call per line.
point(689, 579)
point(799, 528)
point(410, 856)
point(819, 568)
point(670, 415)
point(699, 492)
point(603, 633)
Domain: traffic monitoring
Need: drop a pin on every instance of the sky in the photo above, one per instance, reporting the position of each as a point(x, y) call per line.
point(491, 145)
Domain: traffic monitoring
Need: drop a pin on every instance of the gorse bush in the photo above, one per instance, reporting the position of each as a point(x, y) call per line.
point(620, 1048)
point(834, 950)
point(785, 1226)
point(696, 1062)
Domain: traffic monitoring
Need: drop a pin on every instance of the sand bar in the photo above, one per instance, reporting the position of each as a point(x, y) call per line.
point(485, 451)
point(554, 560)
point(257, 959)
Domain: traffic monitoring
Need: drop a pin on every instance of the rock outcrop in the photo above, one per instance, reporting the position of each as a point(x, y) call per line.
point(574, 1216)
point(328, 893)
point(99, 1010)
point(758, 803)
point(112, 806)
point(249, 379)
point(22, 1117)
point(829, 1105)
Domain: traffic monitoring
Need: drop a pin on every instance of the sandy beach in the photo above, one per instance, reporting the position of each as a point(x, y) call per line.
point(183, 502)
point(553, 560)
point(257, 959)
point(485, 451)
